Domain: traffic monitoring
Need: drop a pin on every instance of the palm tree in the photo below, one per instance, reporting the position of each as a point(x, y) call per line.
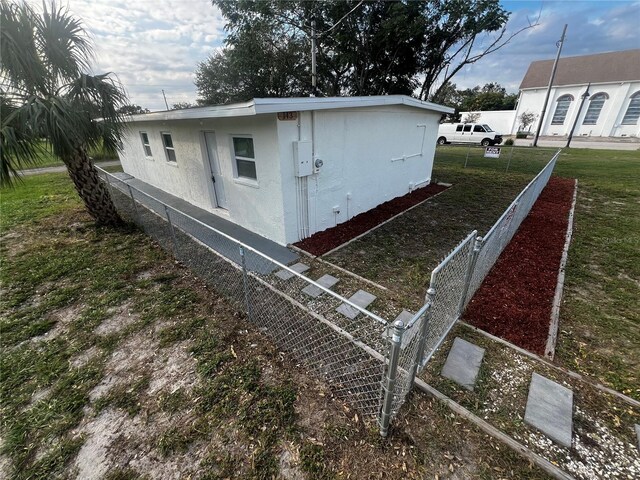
point(46, 94)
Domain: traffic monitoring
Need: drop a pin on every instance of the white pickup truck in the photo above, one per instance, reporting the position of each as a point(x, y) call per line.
point(468, 133)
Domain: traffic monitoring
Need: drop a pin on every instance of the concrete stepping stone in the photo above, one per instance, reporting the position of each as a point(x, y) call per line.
point(361, 298)
point(550, 409)
point(406, 317)
point(286, 274)
point(463, 363)
point(327, 281)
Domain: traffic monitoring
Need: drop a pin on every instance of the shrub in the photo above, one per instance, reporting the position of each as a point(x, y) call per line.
point(508, 142)
point(521, 135)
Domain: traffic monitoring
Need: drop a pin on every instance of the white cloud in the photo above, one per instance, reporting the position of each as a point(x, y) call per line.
point(156, 44)
point(151, 45)
point(593, 27)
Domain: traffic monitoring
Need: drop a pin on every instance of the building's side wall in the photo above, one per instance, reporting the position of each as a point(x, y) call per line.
point(257, 207)
point(608, 123)
point(362, 151)
point(500, 121)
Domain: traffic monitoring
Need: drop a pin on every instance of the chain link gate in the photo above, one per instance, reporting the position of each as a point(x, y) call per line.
point(366, 361)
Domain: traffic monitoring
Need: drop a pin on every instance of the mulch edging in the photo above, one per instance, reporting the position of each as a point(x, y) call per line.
point(326, 240)
point(515, 300)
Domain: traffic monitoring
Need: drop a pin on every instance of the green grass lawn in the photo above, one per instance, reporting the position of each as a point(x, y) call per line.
point(401, 254)
point(112, 353)
point(600, 317)
point(46, 158)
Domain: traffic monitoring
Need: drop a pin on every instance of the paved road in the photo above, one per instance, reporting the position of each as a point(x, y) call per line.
point(62, 168)
point(578, 143)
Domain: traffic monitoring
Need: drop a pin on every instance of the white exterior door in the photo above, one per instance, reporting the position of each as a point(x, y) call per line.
point(216, 173)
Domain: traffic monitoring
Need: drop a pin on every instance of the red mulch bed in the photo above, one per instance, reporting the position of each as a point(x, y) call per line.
point(322, 242)
point(514, 302)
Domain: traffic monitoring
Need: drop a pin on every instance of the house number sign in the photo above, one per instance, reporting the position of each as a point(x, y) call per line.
point(287, 115)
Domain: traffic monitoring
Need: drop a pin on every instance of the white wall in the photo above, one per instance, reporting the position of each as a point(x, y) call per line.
point(500, 121)
point(608, 123)
point(257, 207)
point(357, 147)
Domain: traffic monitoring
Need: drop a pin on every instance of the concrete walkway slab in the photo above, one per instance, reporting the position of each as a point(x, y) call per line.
point(361, 298)
point(286, 274)
point(218, 243)
point(463, 363)
point(327, 281)
point(550, 409)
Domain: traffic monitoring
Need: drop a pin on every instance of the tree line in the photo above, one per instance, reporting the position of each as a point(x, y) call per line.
point(376, 47)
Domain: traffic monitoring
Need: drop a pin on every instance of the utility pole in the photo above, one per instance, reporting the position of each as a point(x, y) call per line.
point(314, 76)
point(585, 95)
point(553, 74)
point(165, 99)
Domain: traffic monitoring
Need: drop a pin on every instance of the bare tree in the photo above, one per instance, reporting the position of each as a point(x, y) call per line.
point(527, 118)
point(457, 51)
point(471, 117)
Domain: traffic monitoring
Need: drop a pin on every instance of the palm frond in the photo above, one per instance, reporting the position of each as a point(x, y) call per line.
point(20, 147)
point(101, 96)
point(21, 65)
point(64, 44)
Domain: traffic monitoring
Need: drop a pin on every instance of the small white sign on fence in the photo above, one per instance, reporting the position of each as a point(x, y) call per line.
point(492, 152)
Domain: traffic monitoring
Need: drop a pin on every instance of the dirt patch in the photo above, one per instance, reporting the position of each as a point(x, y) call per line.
point(322, 242)
point(84, 357)
point(114, 439)
point(121, 318)
point(173, 369)
point(63, 317)
point(289, 463)
point(126, 362)
point(514, 301)
point(91, 462)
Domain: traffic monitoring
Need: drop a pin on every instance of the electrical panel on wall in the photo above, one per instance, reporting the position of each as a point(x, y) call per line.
point(302, 156)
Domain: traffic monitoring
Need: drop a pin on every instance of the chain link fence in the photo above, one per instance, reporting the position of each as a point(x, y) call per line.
point(351, 355)
point(455, 280)
point(365, 361)
point(501, 233)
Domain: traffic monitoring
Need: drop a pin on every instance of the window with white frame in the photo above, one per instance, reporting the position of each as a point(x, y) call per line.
point(562, 107)
point(245, 158)
point(145, 144)
point(169, 150)
point(633, 110)
point(595, 107)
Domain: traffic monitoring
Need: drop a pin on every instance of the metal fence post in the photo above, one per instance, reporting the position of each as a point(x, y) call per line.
point(467, 159)
point(173, 233)
point(106, 177)
point(245, 281)
point(135, 207)
point(471, 266)
point(510, 155)
point(422, 339)
point(389, 382)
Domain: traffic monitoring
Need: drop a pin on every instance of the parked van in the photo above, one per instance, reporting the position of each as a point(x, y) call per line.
point(468, 133)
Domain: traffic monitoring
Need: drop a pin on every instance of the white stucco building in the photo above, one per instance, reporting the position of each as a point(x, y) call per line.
point(612, 108)
point(287, 168)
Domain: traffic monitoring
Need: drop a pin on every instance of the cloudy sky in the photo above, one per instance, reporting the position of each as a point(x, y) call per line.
point(156, 45)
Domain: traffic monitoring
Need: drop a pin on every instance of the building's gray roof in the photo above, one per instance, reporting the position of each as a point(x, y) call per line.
point(259, 106)
point(598, 68)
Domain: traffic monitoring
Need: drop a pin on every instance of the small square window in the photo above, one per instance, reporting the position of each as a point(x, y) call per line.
point(244, 157)
point(459, 128)
point(467, 128)
point(145, 144)
point(168, 147)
